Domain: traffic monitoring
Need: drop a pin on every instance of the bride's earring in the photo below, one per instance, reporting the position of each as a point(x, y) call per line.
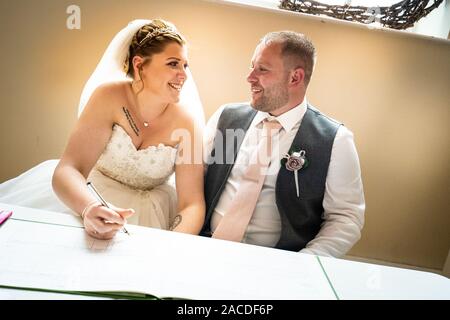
point(137, 85)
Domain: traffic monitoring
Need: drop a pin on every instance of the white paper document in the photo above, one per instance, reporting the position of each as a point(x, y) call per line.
point(54, 254)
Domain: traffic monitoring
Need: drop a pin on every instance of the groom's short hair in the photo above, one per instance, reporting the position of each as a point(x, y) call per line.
point(297, 51)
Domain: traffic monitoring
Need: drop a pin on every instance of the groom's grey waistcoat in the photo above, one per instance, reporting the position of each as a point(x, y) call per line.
point(300, 217)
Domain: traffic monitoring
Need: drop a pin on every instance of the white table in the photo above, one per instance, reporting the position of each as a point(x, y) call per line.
point(41, 249)
point(356, 280)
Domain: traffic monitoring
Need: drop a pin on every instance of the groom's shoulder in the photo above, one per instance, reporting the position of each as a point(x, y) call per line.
point(227, 114)
point(236, 110)
point(236, 106)
point(231, 109)
point(319, 113)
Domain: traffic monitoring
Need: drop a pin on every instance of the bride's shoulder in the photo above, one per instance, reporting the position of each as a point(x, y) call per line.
point(107, 96)
point(110, 92)
point(114, 89)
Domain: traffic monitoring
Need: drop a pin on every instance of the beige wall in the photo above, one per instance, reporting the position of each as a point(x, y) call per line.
point(391, 90)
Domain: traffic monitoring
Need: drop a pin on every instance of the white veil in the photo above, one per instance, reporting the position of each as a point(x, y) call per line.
point(110, 68)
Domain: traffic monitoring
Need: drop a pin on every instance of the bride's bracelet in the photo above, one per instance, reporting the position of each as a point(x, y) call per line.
point(88, 207)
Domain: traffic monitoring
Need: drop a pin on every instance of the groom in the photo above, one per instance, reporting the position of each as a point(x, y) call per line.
point(288, 176)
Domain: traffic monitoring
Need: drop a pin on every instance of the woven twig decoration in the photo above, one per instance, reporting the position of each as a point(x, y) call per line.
point(401, 15)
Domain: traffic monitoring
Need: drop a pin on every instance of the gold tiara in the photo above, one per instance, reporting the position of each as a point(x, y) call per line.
point(154, 34)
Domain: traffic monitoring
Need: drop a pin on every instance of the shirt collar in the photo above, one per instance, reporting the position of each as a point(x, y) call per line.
point(288, 120)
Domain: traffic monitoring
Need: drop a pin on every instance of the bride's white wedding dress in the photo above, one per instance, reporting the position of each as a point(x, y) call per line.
point(124, 176)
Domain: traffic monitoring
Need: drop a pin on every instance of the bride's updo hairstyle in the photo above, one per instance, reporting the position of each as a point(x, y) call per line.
point(151, 39)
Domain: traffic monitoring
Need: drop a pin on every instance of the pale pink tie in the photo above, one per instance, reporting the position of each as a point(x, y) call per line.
point(234, 223)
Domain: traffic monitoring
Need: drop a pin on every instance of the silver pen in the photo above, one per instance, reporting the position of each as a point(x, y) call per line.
point(91, 186)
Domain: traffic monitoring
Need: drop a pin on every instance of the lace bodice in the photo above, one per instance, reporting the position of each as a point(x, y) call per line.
point(141, 169)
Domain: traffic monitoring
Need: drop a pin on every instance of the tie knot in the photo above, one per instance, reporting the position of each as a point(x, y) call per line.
point(271, 126)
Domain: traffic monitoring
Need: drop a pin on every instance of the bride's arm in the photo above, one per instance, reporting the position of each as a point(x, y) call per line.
point(189, 181)
point(86, 143)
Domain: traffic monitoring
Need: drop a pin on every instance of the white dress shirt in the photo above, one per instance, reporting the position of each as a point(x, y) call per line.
point(343, 201)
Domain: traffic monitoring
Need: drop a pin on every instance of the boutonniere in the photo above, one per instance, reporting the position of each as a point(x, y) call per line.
point(294, 161)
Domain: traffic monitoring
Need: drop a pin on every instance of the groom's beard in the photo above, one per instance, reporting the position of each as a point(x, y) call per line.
point(272, 98)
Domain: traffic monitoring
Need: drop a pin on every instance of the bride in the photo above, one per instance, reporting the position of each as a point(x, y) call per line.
point(124, 142)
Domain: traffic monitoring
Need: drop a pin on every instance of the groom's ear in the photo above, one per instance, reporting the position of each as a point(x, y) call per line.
point(297, 76)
